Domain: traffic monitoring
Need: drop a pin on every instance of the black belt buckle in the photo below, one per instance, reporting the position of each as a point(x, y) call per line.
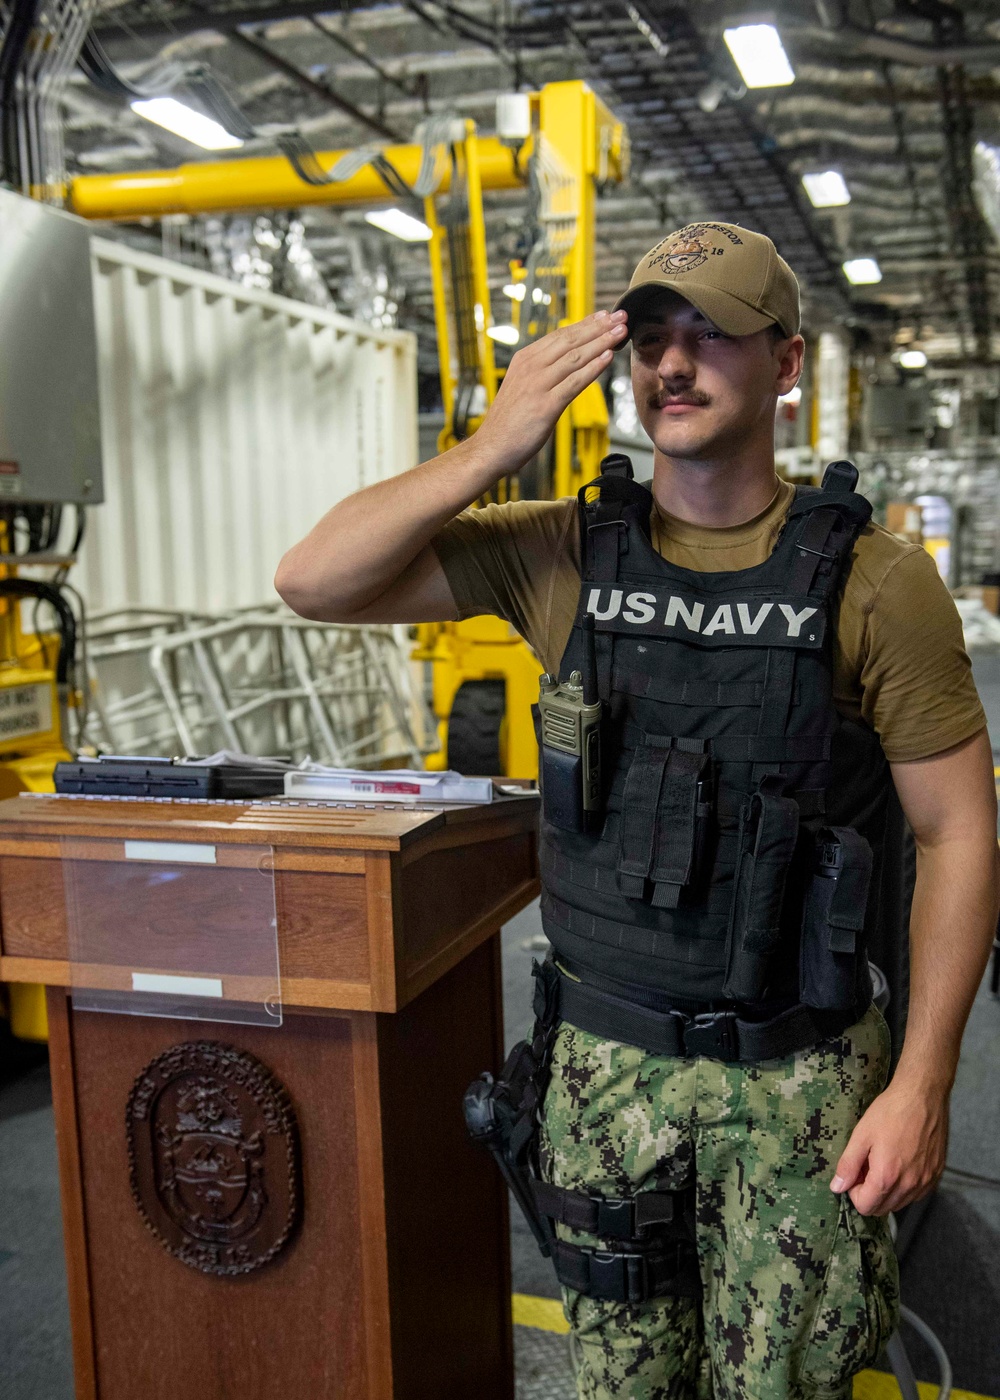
point(712, 1034)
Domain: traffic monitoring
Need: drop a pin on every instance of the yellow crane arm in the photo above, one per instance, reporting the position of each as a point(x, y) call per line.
point(266, 182)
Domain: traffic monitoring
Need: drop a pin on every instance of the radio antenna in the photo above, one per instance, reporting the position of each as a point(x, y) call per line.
point(590, 695)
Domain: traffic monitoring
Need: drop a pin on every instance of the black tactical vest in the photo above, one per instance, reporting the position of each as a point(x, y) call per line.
point(736, 860)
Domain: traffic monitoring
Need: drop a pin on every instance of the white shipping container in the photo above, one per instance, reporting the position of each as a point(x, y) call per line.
point(231, 419)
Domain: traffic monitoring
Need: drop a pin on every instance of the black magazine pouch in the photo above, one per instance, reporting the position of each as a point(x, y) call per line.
point(666, 816)
point(769, 829)
point(833, 919)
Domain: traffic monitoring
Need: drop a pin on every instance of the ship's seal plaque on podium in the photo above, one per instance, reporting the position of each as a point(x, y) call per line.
point(213, 1157)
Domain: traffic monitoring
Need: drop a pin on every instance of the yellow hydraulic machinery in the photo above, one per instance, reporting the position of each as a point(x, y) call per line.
point(561, 144)
point(484, 677)
point(31, 744)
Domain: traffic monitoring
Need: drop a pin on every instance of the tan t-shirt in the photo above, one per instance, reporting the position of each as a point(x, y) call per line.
point(899, 661)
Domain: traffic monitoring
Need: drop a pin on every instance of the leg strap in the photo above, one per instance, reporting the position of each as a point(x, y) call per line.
point(628, 1218)
point(629, 1278)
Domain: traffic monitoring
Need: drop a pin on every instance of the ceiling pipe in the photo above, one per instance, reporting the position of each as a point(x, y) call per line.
point(110, 28)
point(908, 51)
point(267, 182)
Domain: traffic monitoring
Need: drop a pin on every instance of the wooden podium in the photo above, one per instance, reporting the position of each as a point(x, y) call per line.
point(254, 1211)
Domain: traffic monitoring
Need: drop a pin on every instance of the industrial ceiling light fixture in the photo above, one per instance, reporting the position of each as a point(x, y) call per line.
point(759, 54)
point(506, 335)
point(862, 272)
point(826, 189)
point(400, 225)
point(184, 121)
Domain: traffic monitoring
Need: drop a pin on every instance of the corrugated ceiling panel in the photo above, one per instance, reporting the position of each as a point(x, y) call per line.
point(231, 420)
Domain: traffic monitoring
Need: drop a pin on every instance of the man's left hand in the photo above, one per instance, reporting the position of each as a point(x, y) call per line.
point(897, 1151)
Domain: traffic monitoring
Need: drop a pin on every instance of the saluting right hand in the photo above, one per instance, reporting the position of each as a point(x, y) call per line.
point(543, 379)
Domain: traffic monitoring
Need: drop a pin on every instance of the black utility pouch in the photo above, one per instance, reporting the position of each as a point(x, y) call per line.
point(833, 918)
point(666, 821)
point(769, 829)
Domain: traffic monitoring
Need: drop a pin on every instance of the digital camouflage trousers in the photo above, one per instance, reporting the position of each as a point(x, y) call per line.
point(799, 1291)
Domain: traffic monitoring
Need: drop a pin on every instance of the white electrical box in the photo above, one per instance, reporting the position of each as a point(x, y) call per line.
point(50, 438)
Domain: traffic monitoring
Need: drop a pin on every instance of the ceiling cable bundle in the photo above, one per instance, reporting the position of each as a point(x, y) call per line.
point(41, 40)
point(199, 82)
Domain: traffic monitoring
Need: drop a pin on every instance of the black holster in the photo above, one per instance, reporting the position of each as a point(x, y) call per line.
point(502, 1113)
point(653, 1231)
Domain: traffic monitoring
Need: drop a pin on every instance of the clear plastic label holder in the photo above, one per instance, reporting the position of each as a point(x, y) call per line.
point(176, 929)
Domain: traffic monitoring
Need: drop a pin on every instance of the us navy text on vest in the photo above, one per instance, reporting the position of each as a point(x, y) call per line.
point(707, 619)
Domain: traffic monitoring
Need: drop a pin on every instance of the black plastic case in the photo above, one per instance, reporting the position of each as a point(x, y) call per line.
point(164, 777)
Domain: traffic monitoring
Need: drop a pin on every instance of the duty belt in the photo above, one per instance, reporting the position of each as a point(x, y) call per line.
point(718, 1035)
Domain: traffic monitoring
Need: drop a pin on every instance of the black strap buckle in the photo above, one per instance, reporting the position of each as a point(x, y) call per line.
point(615, 1218)
point(621, 1278)
point(712, 1034)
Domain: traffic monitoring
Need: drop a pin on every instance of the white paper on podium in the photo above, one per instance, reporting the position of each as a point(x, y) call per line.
point(385, 785)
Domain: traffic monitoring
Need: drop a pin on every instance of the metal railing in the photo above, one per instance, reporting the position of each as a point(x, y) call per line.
point(260, 680)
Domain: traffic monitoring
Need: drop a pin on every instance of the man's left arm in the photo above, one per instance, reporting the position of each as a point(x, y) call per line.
point(897, 1151)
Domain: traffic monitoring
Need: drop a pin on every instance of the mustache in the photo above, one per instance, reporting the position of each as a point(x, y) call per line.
point(695, 397)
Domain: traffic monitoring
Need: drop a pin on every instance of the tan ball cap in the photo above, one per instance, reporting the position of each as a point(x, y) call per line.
point(733, 276)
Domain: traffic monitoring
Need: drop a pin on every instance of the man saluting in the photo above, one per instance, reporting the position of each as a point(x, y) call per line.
point(719, 1146)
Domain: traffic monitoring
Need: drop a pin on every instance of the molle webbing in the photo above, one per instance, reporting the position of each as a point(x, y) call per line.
point(728, 804)
point(698, 694)
point(586, 875)
point(740, 748)
point(690, 943)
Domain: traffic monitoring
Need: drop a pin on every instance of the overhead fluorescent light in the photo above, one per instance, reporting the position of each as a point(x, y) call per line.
point(826, 189)
point(912, 359)
point(400, 225)
point(506, 335)
point(759, 54)
point(793, 397)
point(184, 121)
point(862, 271)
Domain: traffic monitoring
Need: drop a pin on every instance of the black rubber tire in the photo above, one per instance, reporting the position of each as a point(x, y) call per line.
point(474, 728)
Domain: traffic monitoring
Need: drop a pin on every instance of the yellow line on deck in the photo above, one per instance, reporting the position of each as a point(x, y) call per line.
point(546, 1315)
point(876, 1385)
